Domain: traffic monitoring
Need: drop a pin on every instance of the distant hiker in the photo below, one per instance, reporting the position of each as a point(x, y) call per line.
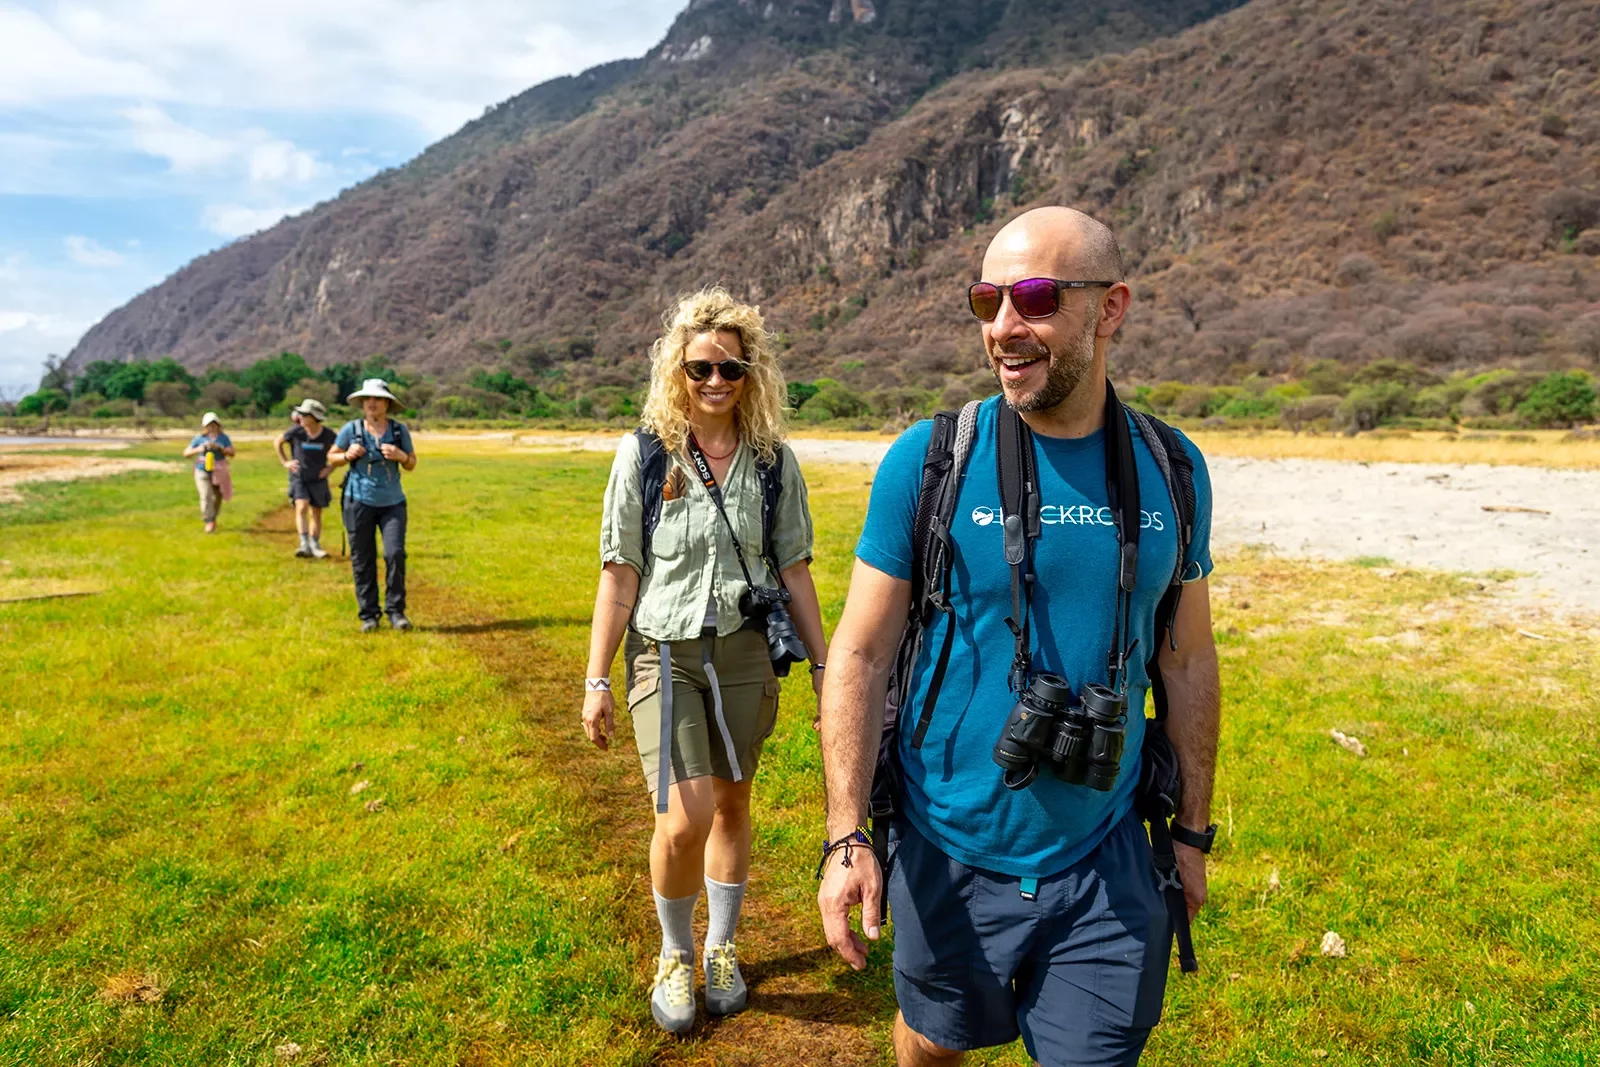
point(211, 448)
point(377, 449)
point(705, 535)
point(1051, 549)
point(308, 463)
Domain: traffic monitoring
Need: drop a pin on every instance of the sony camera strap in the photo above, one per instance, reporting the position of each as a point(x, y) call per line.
point(703, 469)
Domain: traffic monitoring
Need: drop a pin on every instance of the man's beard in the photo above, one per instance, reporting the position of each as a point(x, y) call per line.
point(1066, 370)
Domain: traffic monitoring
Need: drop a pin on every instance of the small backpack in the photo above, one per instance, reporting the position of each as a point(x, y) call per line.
point(653, 465)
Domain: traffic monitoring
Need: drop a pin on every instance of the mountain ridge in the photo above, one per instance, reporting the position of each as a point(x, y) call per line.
point(1283, 176)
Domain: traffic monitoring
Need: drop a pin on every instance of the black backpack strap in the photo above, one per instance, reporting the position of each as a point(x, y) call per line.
point(1177, 469)
point(771, 479)
point(652, 479)
point(933, 552)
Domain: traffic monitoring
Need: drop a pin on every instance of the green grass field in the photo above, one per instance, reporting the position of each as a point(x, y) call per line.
point(191, 876)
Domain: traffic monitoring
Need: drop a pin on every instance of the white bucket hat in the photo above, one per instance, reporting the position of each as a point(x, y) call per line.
point(375, 387)
point(207, 419)
point(314, 408)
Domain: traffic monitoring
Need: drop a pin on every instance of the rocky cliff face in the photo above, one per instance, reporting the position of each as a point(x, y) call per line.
point(1293, 179)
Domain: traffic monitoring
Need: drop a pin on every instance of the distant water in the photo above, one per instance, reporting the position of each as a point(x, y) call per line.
point(8, 440)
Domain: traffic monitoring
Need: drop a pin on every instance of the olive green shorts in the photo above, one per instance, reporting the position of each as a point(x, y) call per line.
point(749, 705)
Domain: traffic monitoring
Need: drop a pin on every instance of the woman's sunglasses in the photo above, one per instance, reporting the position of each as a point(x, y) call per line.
point(1034, 298)
point(700, 369)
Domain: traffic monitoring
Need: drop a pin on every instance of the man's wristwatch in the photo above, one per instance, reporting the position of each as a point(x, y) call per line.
point(1194, 838)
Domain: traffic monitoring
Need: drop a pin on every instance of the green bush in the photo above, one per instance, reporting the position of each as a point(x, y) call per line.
point(1366, 407)
point(1442, 401)
point(838, 398)
point(1497, 392)
point(799, 393)
point(1326, 377)
point(1248, 406)
point(1559, 399)
point(1194, 402)
point(1164, 397)
point(43, 402)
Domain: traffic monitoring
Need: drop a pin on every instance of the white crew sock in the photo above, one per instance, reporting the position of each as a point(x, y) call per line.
point(723, 904)
point(677, 924)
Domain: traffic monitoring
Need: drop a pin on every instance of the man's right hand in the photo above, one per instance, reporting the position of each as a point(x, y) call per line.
point(843, 888)
point(293, 466)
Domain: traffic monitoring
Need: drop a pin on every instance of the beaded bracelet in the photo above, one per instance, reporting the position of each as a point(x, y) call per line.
point(857, 838)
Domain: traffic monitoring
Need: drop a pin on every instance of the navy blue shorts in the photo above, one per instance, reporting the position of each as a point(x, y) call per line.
point(1078, 973)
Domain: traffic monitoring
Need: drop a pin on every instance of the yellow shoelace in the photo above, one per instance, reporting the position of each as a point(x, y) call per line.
point(722, 963)
point(675, 974)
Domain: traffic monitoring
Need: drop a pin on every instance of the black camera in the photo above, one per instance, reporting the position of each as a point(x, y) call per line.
point(1079, 741)
point(765, 604)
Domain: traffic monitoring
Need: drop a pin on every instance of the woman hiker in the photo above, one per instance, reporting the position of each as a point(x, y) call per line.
point(701, 685)
point(212, 449)
point(377, 449)
point(309, 464)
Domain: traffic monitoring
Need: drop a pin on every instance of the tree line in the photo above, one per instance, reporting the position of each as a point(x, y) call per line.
point(1327, 395)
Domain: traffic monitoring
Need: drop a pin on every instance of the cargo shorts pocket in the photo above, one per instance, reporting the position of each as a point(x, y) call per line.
point(767, 714)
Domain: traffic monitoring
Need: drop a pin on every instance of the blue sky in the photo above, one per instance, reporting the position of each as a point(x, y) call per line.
point(138, 134)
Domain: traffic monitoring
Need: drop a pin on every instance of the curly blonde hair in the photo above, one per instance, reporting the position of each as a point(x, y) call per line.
point(762, 405)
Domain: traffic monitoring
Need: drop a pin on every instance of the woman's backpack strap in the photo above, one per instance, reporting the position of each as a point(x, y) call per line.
point(652, 480)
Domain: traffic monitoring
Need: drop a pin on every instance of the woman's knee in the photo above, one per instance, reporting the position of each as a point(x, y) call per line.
point(731, 801)
point(687, 823)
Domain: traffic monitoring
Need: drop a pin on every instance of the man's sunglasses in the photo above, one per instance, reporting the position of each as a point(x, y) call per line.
point(700, 369)
point(1034, 298)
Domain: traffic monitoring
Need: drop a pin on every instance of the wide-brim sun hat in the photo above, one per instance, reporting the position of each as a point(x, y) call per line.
point(314, 408)
point(375, 387)
point(207, 419)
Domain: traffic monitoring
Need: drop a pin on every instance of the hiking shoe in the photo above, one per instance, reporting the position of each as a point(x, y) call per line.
point(672, 996)
point(304, 551)
point(317, 551)
point(725, 988)
point(400, 622)
point(369, 626)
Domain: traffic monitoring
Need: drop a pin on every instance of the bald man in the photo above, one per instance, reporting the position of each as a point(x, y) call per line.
point(1025, 909)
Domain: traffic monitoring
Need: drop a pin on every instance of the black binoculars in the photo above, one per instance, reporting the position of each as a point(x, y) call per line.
point(765, 605)
point(1079, 741)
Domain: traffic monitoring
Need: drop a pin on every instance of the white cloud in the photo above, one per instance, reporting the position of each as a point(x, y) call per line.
point(278, 161)
point(434, 62)
point(156, 133)
point(89, 253)
point(240, 220)
point(40, 62)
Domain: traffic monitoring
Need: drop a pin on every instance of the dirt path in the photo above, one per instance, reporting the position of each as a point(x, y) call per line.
point(797, 1018)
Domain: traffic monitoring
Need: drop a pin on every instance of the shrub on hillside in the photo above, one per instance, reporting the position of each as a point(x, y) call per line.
point(1560, 399)
point(837, 398)
point(1497, 392)
point(169, 398)
point(1366, 407)
point(1194, 402)
point(1442, 401)
point(224, 397)
point(1355, 269)
point(1393, 370)
point(1326, 377)
point(1308, 411)
point(1570, 211)
point(1163, 397)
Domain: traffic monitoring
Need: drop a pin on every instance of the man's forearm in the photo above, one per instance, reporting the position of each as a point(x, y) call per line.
point(852, 725)
point(1194, 717)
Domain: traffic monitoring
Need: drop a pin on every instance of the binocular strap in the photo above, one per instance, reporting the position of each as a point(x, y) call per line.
point(716, 704)
point(664, 767)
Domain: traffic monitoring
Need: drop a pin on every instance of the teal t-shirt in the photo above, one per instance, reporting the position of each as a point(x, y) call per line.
point(953, 790)
point(373, 479)
point(200, 439)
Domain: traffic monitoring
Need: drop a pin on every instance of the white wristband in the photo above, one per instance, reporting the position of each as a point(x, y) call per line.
point(595, 685)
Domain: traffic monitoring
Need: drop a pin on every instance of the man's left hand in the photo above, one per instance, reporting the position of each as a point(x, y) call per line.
point(1192, 869)
point(392, 452)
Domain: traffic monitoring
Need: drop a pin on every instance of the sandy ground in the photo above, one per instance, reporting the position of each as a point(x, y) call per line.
point(1420, 515)
point(17, 468)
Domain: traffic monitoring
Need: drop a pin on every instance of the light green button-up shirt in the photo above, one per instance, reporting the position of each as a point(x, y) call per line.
point(694, 560)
